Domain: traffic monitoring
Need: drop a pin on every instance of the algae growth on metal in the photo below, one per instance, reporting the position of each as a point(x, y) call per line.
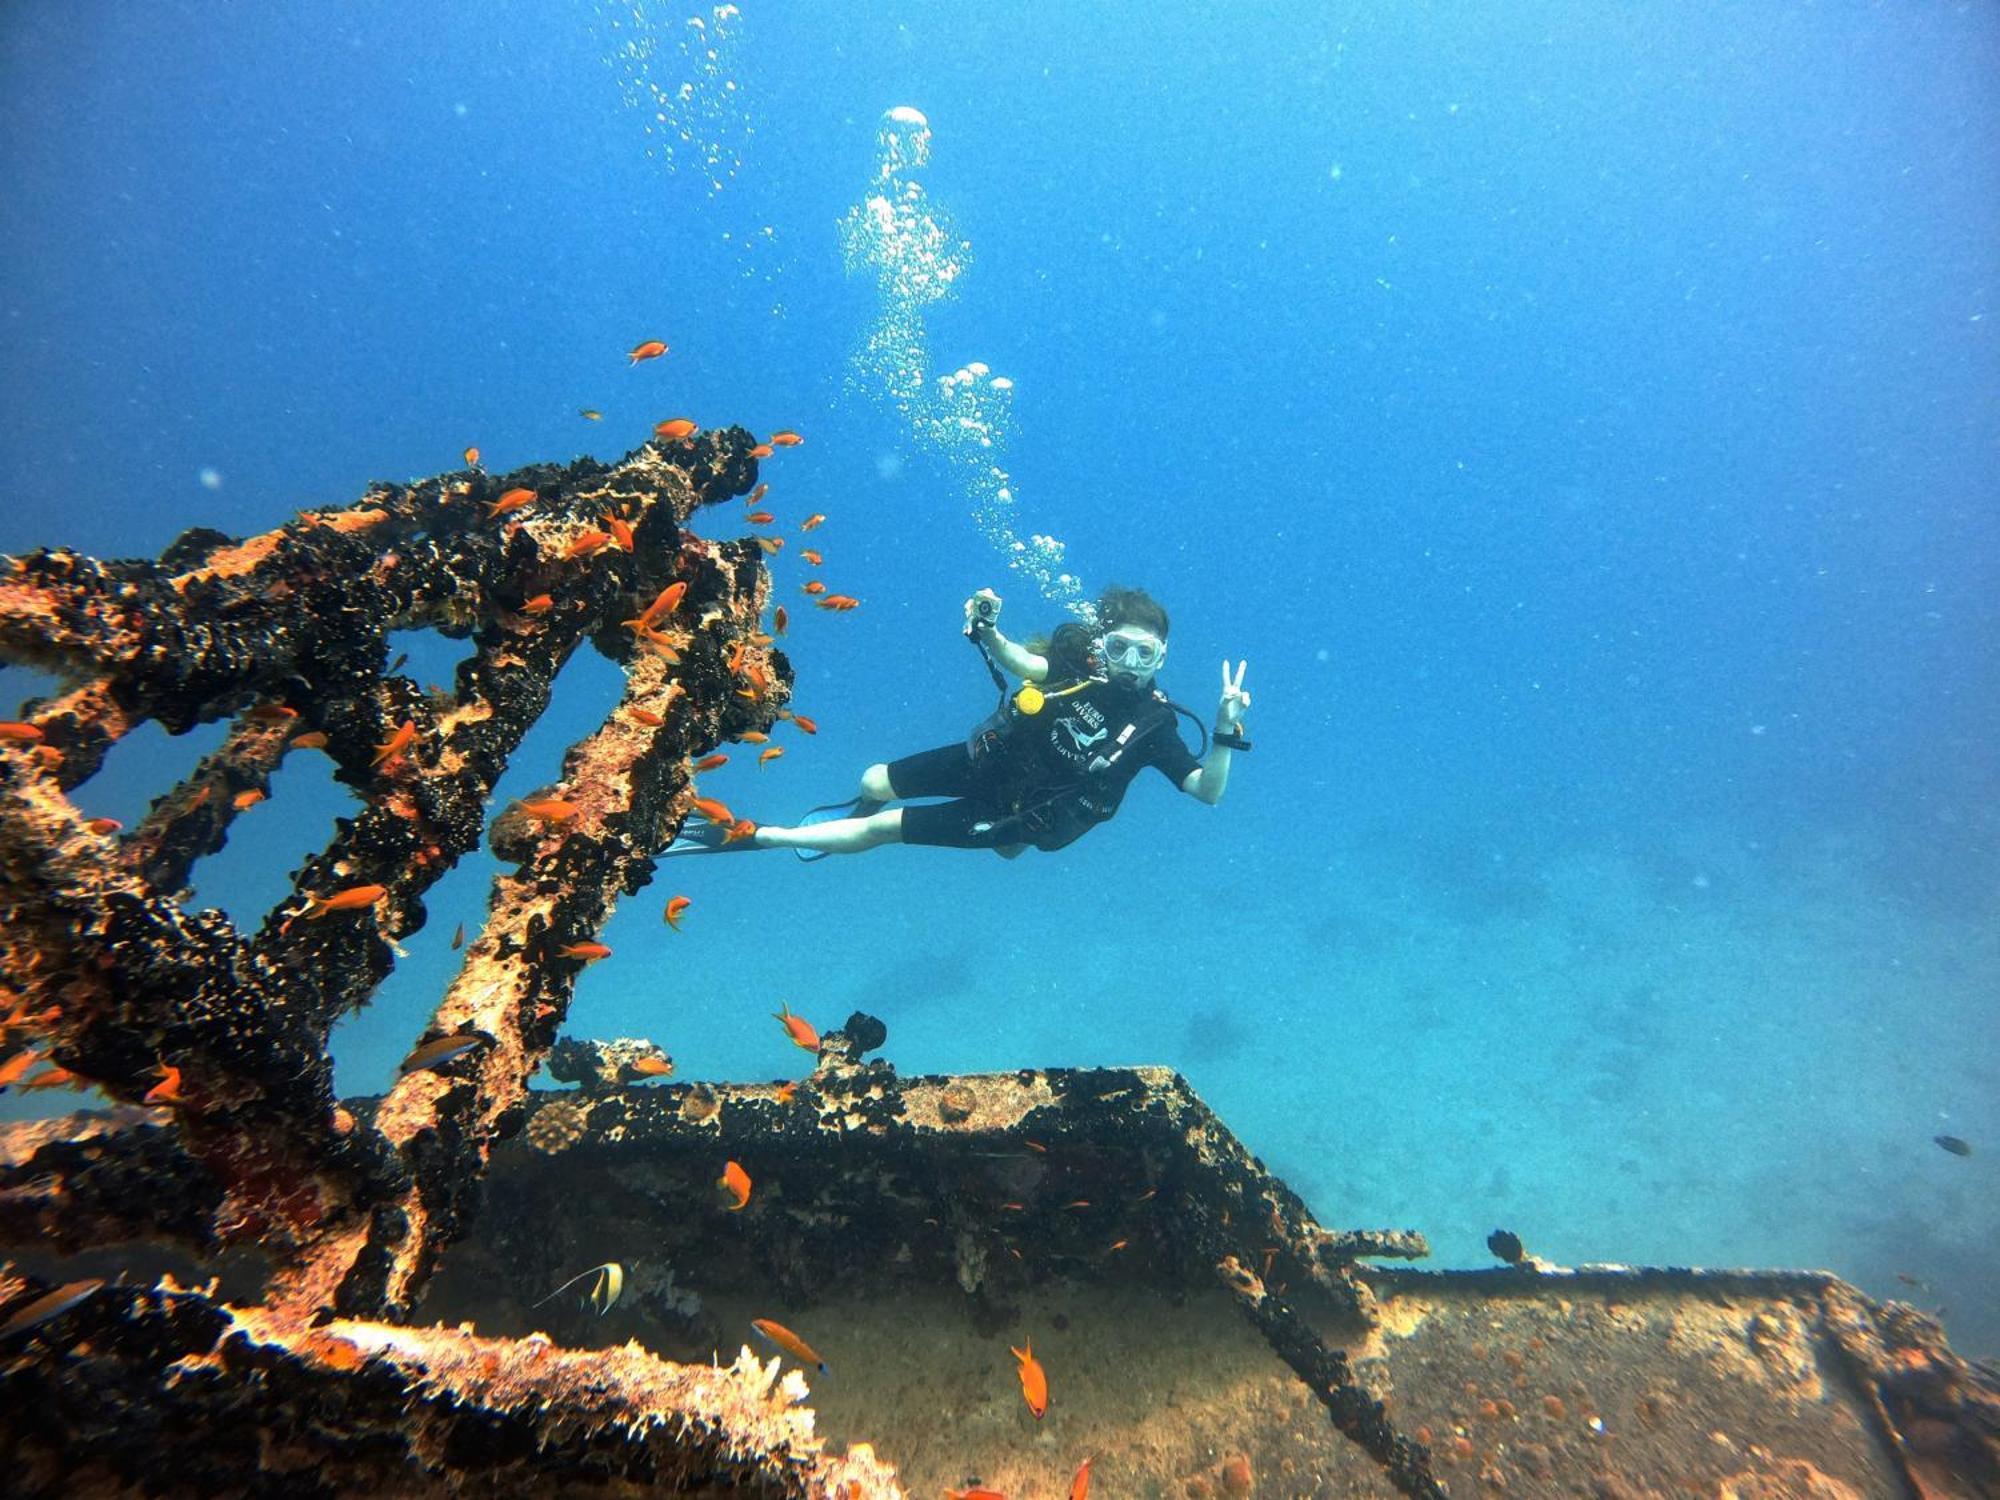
point(234, 1279)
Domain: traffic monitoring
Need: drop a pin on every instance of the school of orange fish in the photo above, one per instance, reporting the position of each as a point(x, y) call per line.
point(734, 1184)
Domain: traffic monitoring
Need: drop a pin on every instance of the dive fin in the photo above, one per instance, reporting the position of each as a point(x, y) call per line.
point(698, 836)
point(859, 807)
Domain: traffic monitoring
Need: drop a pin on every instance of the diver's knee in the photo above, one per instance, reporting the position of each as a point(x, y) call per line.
point(875, 784)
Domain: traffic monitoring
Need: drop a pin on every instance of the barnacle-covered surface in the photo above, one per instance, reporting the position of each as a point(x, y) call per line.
point(166, 1391)
point(1204, 1335)
point(595, 1065)
point(285, 634)
point(1199, 1329)
point(1197, 1325)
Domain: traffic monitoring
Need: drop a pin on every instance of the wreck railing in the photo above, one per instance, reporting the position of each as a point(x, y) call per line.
point(286, 634)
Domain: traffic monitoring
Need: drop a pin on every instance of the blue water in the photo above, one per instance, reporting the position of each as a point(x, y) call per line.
point(1584, 425)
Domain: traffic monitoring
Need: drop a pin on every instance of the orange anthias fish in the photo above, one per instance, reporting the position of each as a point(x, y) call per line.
point(551, 809)
point(797, 1028)
point(753, 736)
point(659, 645)
point(735, 1184)
point(17, 1065)
point(248, 798)
point(786, 439)
point(588, 953)
point(404, 737)
point(812, 587)
point(25, 734)
point(586, 543)
point(790, 1342)
point(714, 811)
point(760, 518)
point(651, 349)
point(1079, 1487)
point(654, 1067)
point(810, 726)
point(762, 450)
point(472, 458)
point(977, 1492)
point(711, 762)
point(647, 717)
point(312, 739)
point(840, 602)
point(811, 521)
point(676, 907)
point(617, 527)
point(55, 1078)
point(675, 430)
point(168, 1089)
point(779, 620)
point(742, 828)
point(757, 494)
point(354, 898)
point(541, 604)
point(811, 556)
point(512, 500)
point(772, 545)
point(1034, 1384)
point(668, 601)
point(770, 755)
point(104, 825)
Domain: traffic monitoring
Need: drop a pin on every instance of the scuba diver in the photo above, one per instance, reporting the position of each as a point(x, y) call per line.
point(1048, 765)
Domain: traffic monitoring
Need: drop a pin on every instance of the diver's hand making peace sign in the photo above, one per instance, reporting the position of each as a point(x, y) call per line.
point(1235, 702)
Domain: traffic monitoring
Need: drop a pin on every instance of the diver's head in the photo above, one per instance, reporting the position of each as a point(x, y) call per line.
point(1132, 639)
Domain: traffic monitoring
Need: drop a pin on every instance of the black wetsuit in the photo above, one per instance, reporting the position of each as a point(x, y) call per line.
point(1045, 778)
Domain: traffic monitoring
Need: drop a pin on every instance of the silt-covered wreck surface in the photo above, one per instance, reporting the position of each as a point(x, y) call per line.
point(236, 1283)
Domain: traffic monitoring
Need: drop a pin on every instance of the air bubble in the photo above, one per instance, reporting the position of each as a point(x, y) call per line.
point(908, 246)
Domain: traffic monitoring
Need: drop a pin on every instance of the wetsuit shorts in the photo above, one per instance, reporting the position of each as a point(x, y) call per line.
point(976, 819)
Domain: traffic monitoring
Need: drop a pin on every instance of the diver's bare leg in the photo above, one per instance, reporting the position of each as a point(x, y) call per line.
point(838, 836)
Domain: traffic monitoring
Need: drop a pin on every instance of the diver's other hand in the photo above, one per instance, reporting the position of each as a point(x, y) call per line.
point(982, 611)
point(1235, 702)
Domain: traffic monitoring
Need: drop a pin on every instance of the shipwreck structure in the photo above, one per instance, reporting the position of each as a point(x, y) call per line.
point(234, 1282)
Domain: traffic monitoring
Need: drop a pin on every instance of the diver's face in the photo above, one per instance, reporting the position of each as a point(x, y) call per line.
point(1131, 655)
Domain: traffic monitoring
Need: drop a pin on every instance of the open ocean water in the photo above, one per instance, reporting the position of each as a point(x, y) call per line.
point(1584, 421)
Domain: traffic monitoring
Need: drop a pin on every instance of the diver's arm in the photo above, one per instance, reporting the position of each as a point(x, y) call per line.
point(1212, 779)
point(982, 622)
point(1015, 657)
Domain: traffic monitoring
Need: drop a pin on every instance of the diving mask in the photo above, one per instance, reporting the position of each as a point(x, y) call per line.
point(1131, 652)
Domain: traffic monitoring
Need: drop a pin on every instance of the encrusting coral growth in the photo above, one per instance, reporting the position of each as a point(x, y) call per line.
point(228, 1136)
point(287, 634)
point(111, 982)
